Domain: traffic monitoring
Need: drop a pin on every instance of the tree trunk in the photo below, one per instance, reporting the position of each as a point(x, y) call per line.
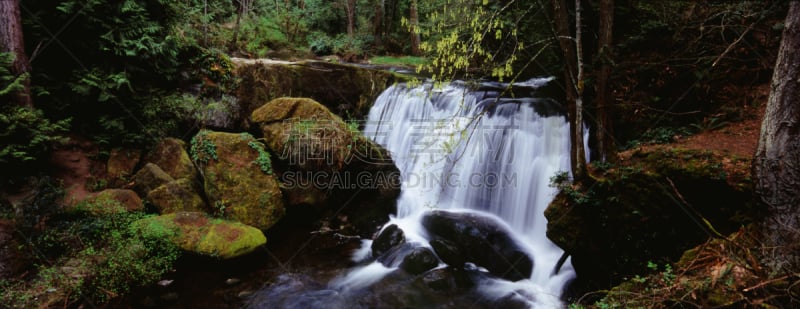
point(350, 10)
point(11, 41)
point(605, 99)
point(776, 165)
point(571, 85)
point(240, 9)
point(413, 19)
point(377, 22)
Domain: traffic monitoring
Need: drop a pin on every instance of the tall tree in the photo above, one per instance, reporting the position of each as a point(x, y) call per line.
point(377, 22)
point(350, 12)
point(11, 41)
point(604, 100)
point(413, 20)
point(776, 166)
point(573, 79)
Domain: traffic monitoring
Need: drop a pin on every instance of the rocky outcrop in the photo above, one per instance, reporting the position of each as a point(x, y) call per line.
point(391, 236)
point(110, 201)
point(649, 208)
point(347, 90)
point(237, 177)
point(196, 232)
point(121, 164)
point(481, 240)
point(150, 177)
point(171, 156)
point(325, 161)
point(177, 195)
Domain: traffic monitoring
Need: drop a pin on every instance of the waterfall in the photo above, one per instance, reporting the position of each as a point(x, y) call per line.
point(472, 150)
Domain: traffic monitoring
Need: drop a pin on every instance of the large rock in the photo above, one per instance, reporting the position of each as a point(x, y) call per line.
point(196, 232)
point(121, 163)
point(178, 195)
point(482, 240)
point(238, 178)
point(150, 177)
point(390, 236)
point(321, 155)
point(651, 206)
point(345, 89)
point(419, 260)
point(110, 201)
point(171, 156)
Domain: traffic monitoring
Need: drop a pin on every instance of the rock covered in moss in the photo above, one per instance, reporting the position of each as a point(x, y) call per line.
point(178, 195)
point(238, 178)
point(110, 201)
point(322, 156)
point(121, 163)
point(650, 207)
point(345, 89)
point(171, 156)
point(196, 232)
point(149, 177)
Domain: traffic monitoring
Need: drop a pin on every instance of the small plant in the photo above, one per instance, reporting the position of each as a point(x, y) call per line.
point(202, 149)
point(263, 160)
point(562, 181)
point(220, 207)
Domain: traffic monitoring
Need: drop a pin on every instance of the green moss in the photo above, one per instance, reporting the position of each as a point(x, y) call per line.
point(195, 232)
point(651, 206)
point(241, 168)
point(202, 149)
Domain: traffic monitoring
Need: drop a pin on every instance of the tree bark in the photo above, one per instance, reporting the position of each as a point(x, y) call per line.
point(377, 22)
point(413, 19)
point(350, 10)
point(571, 85)
point(605, 99)
point(776, 165)
point(11, 41)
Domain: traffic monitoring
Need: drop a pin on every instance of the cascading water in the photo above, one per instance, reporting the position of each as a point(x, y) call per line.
point(472, 151)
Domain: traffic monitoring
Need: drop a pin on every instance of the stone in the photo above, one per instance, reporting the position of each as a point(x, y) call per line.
point(122, 162)
point(150, 177)
point(171, 156)
point(177, 195)
point(482, 240)
point(449, 252)
point(328, 161)
point(420, 260)
point(391, 236)
point(196, 232)
point(110, 201)
point(238, 178)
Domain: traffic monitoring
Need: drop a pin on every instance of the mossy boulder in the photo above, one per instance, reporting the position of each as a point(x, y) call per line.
point(121, 163)
point(650, 207)
point(109, 202)
point(196, 232)
point(178, 195)
point(347, 90)
point(238, 178)
point(171, 156)
point(719, 273)
point(325, 161)
point(150, 177)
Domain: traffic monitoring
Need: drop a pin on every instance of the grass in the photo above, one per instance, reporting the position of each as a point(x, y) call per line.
point(399, 61)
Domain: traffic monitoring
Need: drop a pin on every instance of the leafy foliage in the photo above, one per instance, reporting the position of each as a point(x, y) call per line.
point(484, 38)
point(8, 82)
point(83, 258)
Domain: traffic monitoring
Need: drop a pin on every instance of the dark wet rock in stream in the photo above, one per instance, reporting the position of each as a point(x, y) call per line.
point(419, 260)
point(390, 237)
point(482, 240)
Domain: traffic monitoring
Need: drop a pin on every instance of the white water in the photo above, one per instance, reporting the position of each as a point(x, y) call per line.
point(455, 155)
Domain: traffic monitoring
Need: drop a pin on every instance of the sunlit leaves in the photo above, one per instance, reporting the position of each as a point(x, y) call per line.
point(461, 38)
